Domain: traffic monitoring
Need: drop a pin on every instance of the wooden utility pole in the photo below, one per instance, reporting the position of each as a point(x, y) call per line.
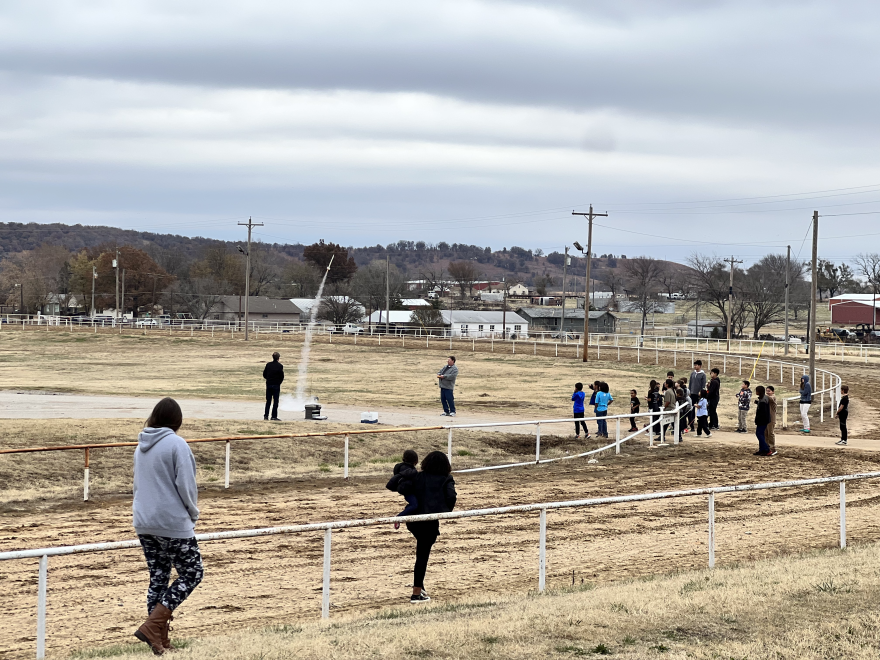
point(94, 277)
point(116, 267)
point(387, 291)
point(813, 286)
point(250, 224)
point(589, 215)
point(732, 261)
point(504, 308)
point(787, 287)
point(564, 273)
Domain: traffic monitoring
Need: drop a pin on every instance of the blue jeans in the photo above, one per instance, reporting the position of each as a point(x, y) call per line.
point(412, 506)
point(601, 423)
point(761, 431)
point(448, 400)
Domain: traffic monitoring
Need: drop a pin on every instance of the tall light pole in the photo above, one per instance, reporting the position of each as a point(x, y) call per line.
point(813, 287)
point(250, 224)
point(732, 261)
point(589, 215)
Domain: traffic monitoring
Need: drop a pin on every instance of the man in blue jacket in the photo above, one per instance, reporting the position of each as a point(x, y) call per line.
point(446, 379)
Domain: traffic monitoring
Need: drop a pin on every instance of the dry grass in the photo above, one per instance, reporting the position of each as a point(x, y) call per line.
point(817, 605)
point(50, 476)
point(342, 374)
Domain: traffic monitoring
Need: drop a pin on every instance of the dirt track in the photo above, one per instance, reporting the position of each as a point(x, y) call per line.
point(97, 599)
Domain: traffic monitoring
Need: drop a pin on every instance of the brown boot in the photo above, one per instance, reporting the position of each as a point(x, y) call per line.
point(166, 641)
point(154, 629)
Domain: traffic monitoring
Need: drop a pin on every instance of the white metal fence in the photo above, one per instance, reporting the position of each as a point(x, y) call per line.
point(327, 528)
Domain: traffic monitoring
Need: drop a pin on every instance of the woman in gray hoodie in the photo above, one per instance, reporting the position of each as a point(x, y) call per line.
point(165, 509)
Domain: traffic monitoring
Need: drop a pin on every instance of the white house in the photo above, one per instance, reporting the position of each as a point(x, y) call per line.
point(465, 323)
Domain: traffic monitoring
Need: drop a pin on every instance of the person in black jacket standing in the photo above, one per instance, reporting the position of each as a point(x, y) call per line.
point(435, 490)
point(274, 375)
point(762, 419)
point(713, 390)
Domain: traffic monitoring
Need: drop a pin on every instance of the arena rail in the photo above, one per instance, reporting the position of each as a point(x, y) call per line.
point(831, 349)
point(831, 383)
point(656, 421)
point(44, 553)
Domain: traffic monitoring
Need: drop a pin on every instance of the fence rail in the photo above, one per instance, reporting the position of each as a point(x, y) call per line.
point(830, 388)
point(832, 349)
point(327, 527)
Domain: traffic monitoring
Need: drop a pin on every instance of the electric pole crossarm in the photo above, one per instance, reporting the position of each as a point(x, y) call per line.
point(589, 215)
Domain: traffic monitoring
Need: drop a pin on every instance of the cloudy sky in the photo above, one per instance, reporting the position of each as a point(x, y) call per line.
point(716, 126)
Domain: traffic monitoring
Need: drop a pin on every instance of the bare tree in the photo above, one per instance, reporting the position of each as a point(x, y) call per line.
point(868, 266)
point(368, 285)
point(433, 280)
point(669, 279)
point(464, 274)
point(642, 275)
point(340, 308)
point(613, 279)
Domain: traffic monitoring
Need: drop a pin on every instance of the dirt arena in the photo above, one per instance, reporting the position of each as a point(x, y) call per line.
point(98, 599)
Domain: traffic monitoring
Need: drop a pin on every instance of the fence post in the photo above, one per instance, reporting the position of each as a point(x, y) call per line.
point(41, 607)
point(86, 477)
point(768, 370)
point(325, 590)
point(345, 471)
point(785, 413)
point(228, 452)
point(677, 426)
point(449, 446)
point(542, 552)
point(740, 365)
point(638, 354)
point(822, 407)
point(711, 530)
point(537, 442)
point(617, 437)
point(675, 358)
point(843, 515)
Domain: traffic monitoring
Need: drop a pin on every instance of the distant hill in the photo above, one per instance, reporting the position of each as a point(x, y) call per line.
point(413, 257)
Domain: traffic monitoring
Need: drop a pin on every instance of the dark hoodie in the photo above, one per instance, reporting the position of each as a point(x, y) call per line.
point(806, 390)
point(166, 497)
point(404, 479)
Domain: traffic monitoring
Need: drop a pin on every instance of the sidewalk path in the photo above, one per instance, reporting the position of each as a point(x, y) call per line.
point(23, 404)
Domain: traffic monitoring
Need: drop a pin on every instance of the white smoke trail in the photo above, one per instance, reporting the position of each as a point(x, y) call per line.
point(299, 400)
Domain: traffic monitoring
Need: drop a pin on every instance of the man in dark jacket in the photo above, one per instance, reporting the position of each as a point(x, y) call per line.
point(274, 375)
point(696, 384)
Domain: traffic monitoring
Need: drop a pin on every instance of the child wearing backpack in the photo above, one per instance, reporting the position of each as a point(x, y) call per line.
point(403, 482)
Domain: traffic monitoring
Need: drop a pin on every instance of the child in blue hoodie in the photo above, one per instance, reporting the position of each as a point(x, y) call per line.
point(603, 400)
point(578, 411)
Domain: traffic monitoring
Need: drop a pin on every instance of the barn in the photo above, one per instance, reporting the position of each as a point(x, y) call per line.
point(851, 309)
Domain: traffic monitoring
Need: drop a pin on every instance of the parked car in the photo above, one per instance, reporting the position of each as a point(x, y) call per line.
point(352, 329)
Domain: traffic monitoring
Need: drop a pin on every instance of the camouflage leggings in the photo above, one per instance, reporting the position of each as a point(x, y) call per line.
point(161, 554)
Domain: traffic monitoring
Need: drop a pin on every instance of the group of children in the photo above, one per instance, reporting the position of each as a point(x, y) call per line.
point(696, 399)
point(600, 400)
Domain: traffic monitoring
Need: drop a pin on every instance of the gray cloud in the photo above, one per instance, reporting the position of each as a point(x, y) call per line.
point(390, 118)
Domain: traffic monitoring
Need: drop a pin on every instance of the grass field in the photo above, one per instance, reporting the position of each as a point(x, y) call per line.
point(817, 605)
point(339, 373)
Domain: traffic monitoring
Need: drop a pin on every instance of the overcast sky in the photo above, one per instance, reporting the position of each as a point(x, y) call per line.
point(459, 121)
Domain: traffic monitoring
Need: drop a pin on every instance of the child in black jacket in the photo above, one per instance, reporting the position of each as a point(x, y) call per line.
point(403, 482)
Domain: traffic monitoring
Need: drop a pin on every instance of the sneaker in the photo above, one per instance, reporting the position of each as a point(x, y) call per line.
point(773, 453)
point(265, 418)
point(452, 414)
point(444, 414)
point(708, 435)
point(275, 419)
point(805, 430)
point(577, 437)
point(757, 453)
point(420, 598)
point(396, 525)
point(840, 442)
